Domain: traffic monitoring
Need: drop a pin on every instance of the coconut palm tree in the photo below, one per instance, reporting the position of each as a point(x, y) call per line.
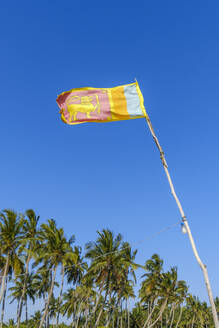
point(11, 234)
point(128, 293)
point(30, 291)
point(175, 290)
point(168, 288)
point(180, 298)
point(68, 306)
point(216, 302)
point(54, 306)
point(149, 292)
point(55, 249)
point(35, 319)
point(29, 243)
point(105, 259)
point(121, 282)
point(73, 304)
point(194, 310)
point(137, 316)
point(11, 323)
point(73, 267)
point(43, 280)
point(8, 279)
point(88, 297)
point(206, 318)
point(158, 289)
point(76, 303)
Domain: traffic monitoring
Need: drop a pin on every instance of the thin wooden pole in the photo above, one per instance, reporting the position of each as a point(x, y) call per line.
point(186, 224)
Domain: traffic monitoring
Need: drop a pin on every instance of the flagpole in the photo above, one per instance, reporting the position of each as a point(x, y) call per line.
point(186, 224)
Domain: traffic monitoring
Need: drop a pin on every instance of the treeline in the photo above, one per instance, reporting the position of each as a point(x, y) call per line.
point(91, 289)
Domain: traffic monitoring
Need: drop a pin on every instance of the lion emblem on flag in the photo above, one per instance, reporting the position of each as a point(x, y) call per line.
point(82, 104)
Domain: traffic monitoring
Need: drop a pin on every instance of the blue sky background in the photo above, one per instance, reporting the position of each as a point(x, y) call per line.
point(94, 176)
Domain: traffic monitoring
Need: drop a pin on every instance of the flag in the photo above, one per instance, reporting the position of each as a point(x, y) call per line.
point(101, 104)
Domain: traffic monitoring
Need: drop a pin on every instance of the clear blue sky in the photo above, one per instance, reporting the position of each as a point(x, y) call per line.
point(94, 176)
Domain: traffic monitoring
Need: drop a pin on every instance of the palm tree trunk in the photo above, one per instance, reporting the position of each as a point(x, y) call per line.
point(180, 315)
point(3, 303)
point(18, 304)
point(77, 323)
point(4, 277)
point(98, 300)
point(23, 291)
point(47, 319)
point(117, 321)
point(116, 305)
point(74, 315)
point(168, 316)
point(49, 297)
point(160, 313)
point(150, 315)
point(60, 297)
point(99, 316)
point(86, 318)
point(26, 313)
point(173, 315)
point(101, 310)
point(128, 313)
point(193, 320)
point(121, 316)
point(44, 299)
point(109, 308)
point(79, 314)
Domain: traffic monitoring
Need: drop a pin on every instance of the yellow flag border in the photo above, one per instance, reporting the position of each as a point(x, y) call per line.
point(141, 98)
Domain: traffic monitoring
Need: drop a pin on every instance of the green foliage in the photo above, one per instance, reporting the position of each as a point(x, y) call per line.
point(95, 288)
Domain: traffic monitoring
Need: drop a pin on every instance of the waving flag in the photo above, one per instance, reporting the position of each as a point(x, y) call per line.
point(101, 104)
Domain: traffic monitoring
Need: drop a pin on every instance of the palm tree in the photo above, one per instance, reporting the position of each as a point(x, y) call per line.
point(194, 309)
point(35, 319)
point(216, 302)
point(149, 292)
point(72, 305)
point(11, 323)
point(11, 234)
point(121, 282)
point(8, 279)
point(68, 307)
point(54, 251)
point(54, 306)
point(206, 318)
point(137, 316)
point(105, 258)
point(111, 264)
point(127, 294)
point(29, 243)
point(76, 302)
point(158, 289)
point(73, 268)
point(175, 290)
point(43, 282)
point(100, 292)
point(30, 291)
point(169, 287)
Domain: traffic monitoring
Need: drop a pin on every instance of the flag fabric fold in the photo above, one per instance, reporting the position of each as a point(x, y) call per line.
point(101, 104)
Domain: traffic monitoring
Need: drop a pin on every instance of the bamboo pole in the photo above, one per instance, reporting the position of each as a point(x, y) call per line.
point(186, 224)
